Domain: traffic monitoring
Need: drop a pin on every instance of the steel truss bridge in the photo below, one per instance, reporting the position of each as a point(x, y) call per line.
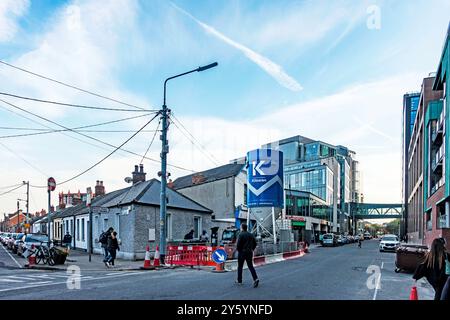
point(375, 210)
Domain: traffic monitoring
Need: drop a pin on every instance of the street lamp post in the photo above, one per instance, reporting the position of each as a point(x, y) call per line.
point(165, 112)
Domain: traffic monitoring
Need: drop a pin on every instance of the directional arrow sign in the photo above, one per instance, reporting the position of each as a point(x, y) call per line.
point(219, 256)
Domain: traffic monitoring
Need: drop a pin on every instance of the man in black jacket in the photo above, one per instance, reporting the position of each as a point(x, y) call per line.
point(245, 245)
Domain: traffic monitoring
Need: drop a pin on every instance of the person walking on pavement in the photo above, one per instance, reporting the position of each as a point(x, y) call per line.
point(433, 267)
point(446, 290)
point(246, 243)
point(67, 240)
point(360, 242)
point(113, 246)
point(103, 239)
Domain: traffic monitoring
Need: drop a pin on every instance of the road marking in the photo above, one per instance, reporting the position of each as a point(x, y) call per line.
point(382, 264)
point(9, 280)
point(65, 282)
point(12, 257)
point(376, 287)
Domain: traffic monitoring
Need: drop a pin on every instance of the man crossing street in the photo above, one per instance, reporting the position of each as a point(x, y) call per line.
point(245, 245)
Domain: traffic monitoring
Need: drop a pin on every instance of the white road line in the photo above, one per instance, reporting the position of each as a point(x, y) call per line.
point(11, 257)
point(10, 280)
point(376, 287)
point(382, 264)
point(29, 278)
point(65, 282)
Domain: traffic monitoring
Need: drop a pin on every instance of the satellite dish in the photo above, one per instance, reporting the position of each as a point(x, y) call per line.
point(128, 179)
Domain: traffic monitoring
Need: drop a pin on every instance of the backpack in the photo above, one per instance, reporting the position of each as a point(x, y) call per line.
point(103, 239)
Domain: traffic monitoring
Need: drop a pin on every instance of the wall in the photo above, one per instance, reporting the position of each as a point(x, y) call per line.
point(219, 196)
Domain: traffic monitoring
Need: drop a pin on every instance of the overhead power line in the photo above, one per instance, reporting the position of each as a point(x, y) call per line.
point(69, 85)
point(84, 135)
point(12, 186)
point(51, 131)
point(11, 190)
point(107, 156)
point(23, 159)
point(72, 105)
point(151, 142)
point(44, 131)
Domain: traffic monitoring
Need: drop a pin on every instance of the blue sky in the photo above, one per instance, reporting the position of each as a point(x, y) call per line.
point(285, 68)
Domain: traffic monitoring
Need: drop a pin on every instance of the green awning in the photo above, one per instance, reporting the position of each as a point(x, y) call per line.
point(298, 223)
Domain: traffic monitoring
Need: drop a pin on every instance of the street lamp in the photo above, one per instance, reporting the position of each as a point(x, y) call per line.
point(164, 151)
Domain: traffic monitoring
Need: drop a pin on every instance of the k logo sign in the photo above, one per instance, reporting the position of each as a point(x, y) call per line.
point(265, 178)
point(268, 163)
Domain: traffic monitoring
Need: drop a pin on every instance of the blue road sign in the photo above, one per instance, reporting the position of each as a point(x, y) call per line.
point(265, 178)
point(219, 256)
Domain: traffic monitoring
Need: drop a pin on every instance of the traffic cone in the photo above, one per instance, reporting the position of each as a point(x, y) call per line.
point(413, 295)
point(156, 261)
point(219, 267)
point(32, 258)
point(147, 261)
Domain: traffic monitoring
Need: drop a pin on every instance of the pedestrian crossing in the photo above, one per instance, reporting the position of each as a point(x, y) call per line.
point(38, 279)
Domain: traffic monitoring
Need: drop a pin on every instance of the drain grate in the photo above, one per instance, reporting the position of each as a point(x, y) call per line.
point(358, 268)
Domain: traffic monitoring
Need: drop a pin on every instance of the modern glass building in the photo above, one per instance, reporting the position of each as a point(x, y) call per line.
point(326, 171)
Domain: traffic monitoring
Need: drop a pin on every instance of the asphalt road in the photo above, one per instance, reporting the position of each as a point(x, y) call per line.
point(341, 273)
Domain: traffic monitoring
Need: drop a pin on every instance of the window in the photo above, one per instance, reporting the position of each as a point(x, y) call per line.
point(82, 230)
point(197, 227)
point(245, 194)
point(71, 227)
point(78, 230)
point(105, 224)
point(169, 226)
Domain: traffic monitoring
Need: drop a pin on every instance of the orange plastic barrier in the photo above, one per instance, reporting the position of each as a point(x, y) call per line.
point(190, 255)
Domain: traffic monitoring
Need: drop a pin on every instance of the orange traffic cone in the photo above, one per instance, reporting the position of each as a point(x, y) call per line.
point(156, 261)
point(413, 295)
point(219, 267)
point(147, 261)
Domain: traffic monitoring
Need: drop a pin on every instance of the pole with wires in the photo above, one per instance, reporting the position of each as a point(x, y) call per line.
point(165, 112)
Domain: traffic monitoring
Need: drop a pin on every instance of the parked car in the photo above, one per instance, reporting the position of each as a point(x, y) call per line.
point(19, 239)
point(389, 242)
point(351, 239)
point(35, 239)
point(330, 239)
point(367, 236)
point(12, 241)
point(342, 240)
point(4, 238)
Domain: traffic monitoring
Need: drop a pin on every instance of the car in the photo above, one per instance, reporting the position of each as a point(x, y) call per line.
point(35, 239)
point(389, 242)
point(12, 241)
point(15, 245)
point(330, 239)
point(350, 239)
point(342, 240)
point(367, 236)
point(5, 238)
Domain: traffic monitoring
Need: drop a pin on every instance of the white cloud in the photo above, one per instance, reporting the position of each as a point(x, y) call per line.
point(10, 11)
point(273, 69)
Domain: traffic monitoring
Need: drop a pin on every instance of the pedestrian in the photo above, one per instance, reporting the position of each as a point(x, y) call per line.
point(245, 246)
point(446, 290)
point(103, 239)
point(360, 241)
point(113, 247)
point(67, 240)
point(189, 235)
point(433, 267)
point(204, 236)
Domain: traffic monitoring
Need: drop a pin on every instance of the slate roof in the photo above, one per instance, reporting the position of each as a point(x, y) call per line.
point(219, 173)
point(148, 193)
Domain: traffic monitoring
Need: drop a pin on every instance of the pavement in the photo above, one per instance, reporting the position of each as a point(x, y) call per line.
point(340, 273)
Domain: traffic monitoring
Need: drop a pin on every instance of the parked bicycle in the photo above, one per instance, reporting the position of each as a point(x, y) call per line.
point(44, 254)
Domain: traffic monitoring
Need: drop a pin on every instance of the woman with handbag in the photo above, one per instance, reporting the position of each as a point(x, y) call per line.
point(446, 291)
point(433, 267)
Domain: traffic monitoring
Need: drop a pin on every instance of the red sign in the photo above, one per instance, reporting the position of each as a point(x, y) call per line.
point(296, 218)
point(51, 183)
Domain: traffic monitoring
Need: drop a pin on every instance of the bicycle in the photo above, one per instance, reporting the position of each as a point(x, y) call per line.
point(44, 254)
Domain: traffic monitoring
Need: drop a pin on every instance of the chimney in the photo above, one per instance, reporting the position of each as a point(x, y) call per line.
point(99, 189)
point(198, 178)
point(170, 184)
point(138, 174)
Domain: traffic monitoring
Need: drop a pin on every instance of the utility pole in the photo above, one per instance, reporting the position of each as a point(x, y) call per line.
point(17, 226)
point(165, 112)
point(28, 201)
